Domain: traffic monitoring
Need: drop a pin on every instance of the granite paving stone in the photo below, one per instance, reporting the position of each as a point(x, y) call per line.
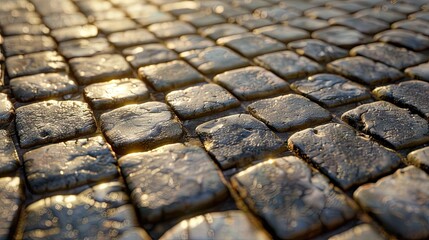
point(346, 6)
point(140, 126)
point(23, 44)
point(9, 161)
point(363, 231)
point(131, 38)
point(85, 47)
point(74, 32)
point(415, 25)
point(389, 123)
point(288, 64)
point(189, 42)
point(143, 55)
point(222, 30)
point(115, 93)
point(11, 197)
point(198, 101)
point(294, 200)
point(33, 63)
point(115, 25)
point(331, 90)
point(339, 152)
point(218, 226)
point(399, 202)
point(381, 14)
point(282, 33)
point(202, 19)
point(390, 55)
point(324, 13)
point(423, 15)
point(409, 94)
point(69, 164)
point(419, 158)
point(100, 212)
point(61, 20)
point(317, 50)
point(401, 7)
point(6, 109)
point(24, 28)
point(404, 38)
point(364, 70)
point(252, 22)
point(160, 183)
point(341, 36)
point(419, 72)
point(170, 75)
point(277, 13)
point(237, 140)
point(53, 121)
point(308, 24)
point(251, 83)
point(171, 29)
point(214, 60)
point(365, 25)
point(289, 112)
point(99, 68)
point(42, 86)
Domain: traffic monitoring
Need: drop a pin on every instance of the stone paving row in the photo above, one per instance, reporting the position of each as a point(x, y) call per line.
point(220, 119)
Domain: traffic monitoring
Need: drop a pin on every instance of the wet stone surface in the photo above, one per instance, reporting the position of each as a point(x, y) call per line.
point(251, 83)
point(9, 161)
point(364, 25)
point(294, 200)
point(85, 47)
point(53, 121)
point(419, 72)
point(201, 100)
point(140, 126)
point(364, 70)
point(69, 164)
point(131, 37)
point(202, 19)
point(214, 60)
point(363, 231)
point(75, 32)
point(238, 139)
point(11, 197)
point(331, 90)
point(251, 45)
point(42, 86)
point(404, 38)
point(23, 44)
point(345, 157)
point(218, 225)
point(390, 55)
point(289, 112)
point(144, 55)
point(33, 63)
point(160, 183)
point(400, 202)
point(341, 36)
point(167, 76)
point(189, 42)
point(6, 109)
point(171, 29)
point(410, 94)
point(318, 50)
point(282, 33)
point(288, 64)
point(389, 123)
point(101, 212)
point(115, 93)
point(222, 30)
point(99, 68)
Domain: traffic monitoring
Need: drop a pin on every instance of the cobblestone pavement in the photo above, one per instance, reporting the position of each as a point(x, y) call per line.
point(214, 119)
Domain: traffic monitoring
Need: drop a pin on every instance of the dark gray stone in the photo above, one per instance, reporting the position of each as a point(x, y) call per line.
point(400, 202)
point(85, 47)
point(140, 126)
point(419, 72)
point(189, 42)
point(100, 212)
point(341, 36)
point(294, 200)
point(171, 29)
point(6, 109)
point(308, 24)
point(69, 164)
point(419, 158)
point(345, 157)
point(288, 64)
point(115, 93)
point(346, 6)
point(222, 30)
point(318, 50)
point(99, 68)
point(252, 22)
point(251, 83)
point(365, 25)
point(24, 44)
point(415, 25)
point(401, 7)
point(289, 112)
point(219, 225)
point(53, 121)
point(144, 55)
point(116, 25)
point(24, 28)
point(381, 14)
point(202, 19)
point(282, 33)
point(33, 63)
point(131, 38)
point(363, 231)
point(404, 38)
point(422, 15)
point(74, 32)
point(393, 56)
point(214, 60)
point(324, 13)
point(251, 5)
point(42, 86)
point(11, 197)
point(331, 90)
point(61, 20)
point(9, 161)
point(389, 123)
point(364, 70)
point(277, 13)
point(237, 140)
point(161, 185)
point(201, 100)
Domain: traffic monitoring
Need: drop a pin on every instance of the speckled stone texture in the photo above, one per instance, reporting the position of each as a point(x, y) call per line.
point(318, 50)
point(294, 200)
point(400, 202)
point(9, 161)
point(6, 109)
point(238, 140)
point(85, 47)
point(344, 156)
point(11, 197)
point(53, 121)
point(161, 184)
point(24, 44)
point(341, 36)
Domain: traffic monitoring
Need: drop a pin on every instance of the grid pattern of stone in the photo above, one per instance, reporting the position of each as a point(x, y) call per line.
point(231, 85)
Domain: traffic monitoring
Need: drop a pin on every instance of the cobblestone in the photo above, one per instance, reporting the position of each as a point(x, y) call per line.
point(74, 32)
point(9, 161)
point(341, 36)
point(364, 25)
point(24, 28)
point(24, 44)
point(415, 25)
point(85, 47)
point(363, 231)
point(419, 72)
point(33, 63)
point(308, 24)
point(189, 42)
point(171, 29)
point(318, 50)
point(59, 20)
point(131, 38)
point(144, 55)
point(282, 33)
point(11, 197)
point(404, 38)
point(6, 109)
point(381, 14)
point(419, 158)
point(222, 30)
